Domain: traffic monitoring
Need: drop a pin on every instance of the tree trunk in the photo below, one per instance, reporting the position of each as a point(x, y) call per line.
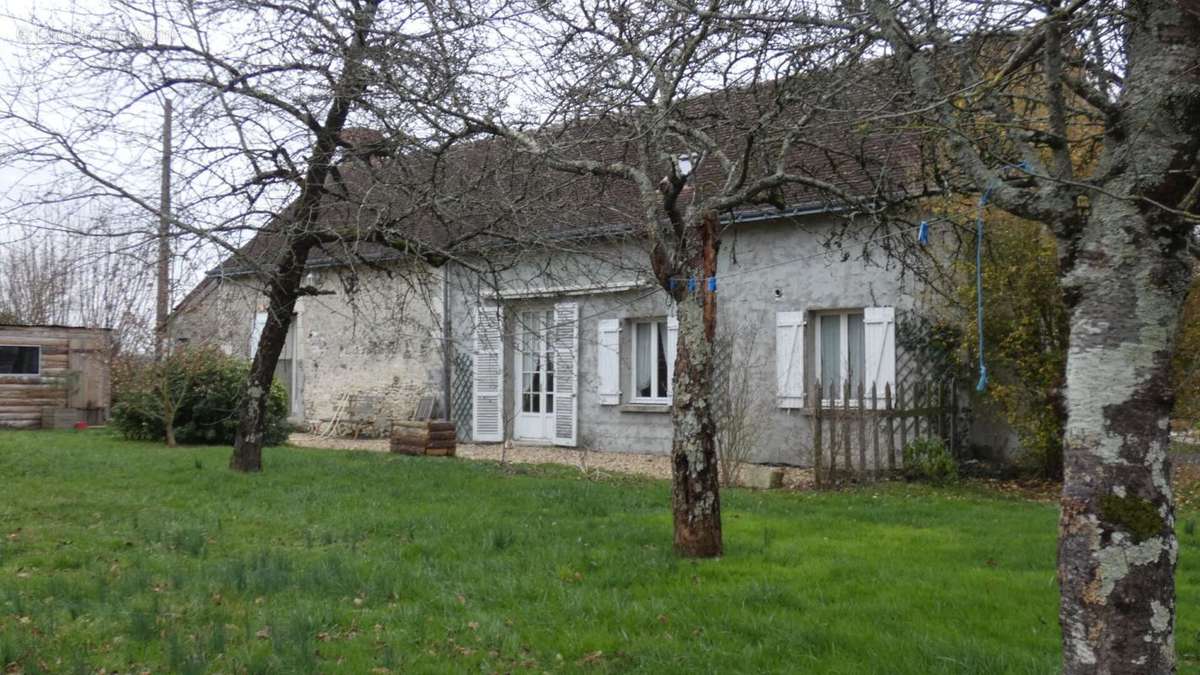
point(285, 289)
point(695, 496)
point(1117, 546)
point(1128, 276)
point(298, 233)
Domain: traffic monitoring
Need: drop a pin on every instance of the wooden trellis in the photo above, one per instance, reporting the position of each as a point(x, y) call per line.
point(461, 391)
point(862, 434)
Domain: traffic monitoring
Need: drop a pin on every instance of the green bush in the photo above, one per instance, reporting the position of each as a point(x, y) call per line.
point(927, 459)
point(199, 390)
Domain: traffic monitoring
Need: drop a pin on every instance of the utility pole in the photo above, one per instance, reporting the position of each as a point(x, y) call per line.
point(163, 301)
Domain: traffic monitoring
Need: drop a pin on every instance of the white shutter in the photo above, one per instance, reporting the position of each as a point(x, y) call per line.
point(256, 330)
point(672, 338)
point(566, 378)
point(608, 361)
point(789, 359)
point(487, 411)
point(879, 338)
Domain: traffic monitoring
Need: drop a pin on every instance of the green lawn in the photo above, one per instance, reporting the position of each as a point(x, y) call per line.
point(130, 556)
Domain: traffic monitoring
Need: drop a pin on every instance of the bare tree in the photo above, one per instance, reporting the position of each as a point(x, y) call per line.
point(1083, 116)
point(1123, 260)
point(738, 402)
point(48, 278)
point(694, 114)
point(270, 168)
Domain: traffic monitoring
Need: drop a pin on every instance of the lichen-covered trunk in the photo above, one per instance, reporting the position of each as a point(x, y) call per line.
point(1117, 546)
point(1127, 276)
point(281, 304)
point(695, 497)
point(695, 491)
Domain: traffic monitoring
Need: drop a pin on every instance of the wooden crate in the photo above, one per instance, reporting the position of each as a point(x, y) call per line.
point(434, 438)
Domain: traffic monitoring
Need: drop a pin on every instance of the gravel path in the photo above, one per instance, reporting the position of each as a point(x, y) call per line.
point(651, 466)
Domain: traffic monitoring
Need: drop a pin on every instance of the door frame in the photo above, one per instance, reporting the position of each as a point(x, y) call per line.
point(524, 423)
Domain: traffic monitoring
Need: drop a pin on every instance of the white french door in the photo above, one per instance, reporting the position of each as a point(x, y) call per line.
point(535, 377)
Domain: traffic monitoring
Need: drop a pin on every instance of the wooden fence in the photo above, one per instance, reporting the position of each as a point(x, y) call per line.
point(862, 435)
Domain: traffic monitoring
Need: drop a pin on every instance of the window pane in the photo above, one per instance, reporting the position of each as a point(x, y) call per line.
point(549, 402)
point(831, 351)
point(661, 360)
point(641, 367)
point(19, 360)
point(856, 351)
point(529, 346)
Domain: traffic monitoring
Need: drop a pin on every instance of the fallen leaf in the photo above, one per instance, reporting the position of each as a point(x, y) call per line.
point(264, 633)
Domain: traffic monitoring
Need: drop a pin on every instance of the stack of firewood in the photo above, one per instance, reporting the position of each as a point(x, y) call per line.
point(436, 438)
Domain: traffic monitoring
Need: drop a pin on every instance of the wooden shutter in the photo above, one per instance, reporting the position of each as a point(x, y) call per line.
point(566, 376)
point(608, 361)
point(879, 338)
point(487, 418)
point(256, 329)
point(789, 359)
point(672, 339)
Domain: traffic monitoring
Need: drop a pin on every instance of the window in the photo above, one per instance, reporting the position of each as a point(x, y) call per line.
point(16, 360)
point(840, 353)
point(651, 368)
point(537, 362)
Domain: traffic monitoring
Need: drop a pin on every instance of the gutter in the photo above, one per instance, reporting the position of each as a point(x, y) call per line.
point(562, 291)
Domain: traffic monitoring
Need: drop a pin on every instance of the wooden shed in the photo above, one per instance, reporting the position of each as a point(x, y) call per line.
point(54, 375)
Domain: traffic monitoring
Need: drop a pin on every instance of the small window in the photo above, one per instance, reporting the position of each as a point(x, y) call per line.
point(651, 372)
point(840, 353)
point(16, 360)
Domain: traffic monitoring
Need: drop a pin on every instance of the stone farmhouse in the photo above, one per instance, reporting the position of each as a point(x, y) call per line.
point(548, 328)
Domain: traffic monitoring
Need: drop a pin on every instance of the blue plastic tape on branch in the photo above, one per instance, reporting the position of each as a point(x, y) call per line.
point(923, 233)
point(983, 200)
point(671, 282)
point(692, 285)
point(712, 284)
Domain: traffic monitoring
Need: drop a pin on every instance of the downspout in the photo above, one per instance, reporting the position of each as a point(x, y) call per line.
point(446, 345)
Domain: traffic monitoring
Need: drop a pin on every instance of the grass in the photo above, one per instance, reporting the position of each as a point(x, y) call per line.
point(130, 556)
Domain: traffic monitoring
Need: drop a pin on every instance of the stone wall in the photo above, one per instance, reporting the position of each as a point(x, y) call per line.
point(767, 267)
point(377, 332)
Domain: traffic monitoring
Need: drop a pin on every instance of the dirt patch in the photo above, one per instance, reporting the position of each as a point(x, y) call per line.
point(650, 466)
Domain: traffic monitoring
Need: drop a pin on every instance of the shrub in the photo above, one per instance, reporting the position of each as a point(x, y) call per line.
point(927, 459)
point(193, 396)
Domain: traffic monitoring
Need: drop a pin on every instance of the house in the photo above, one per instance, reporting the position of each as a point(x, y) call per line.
point(546, 328)
point(576, 348)
point(54, 375)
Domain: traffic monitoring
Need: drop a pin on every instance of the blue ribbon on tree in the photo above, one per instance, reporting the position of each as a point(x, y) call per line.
point(923, 233)
point(983, 200)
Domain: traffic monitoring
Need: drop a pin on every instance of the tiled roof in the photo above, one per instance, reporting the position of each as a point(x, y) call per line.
point(490, 194)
